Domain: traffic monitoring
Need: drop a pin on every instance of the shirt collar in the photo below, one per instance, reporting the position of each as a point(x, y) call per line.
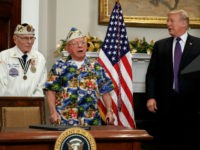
point(184, 37)
point(18, 53)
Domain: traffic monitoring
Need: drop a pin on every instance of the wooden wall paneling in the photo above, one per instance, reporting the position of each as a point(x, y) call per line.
point(10, 16)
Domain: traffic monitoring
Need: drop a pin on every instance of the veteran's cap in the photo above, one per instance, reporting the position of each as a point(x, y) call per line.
point(24, 29)
point(73, 34)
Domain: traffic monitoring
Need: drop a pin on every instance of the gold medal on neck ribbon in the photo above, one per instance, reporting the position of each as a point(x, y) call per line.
point(24, 77)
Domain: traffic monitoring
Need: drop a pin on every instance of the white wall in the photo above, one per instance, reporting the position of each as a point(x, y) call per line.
point(30, 13)
point(47, 30)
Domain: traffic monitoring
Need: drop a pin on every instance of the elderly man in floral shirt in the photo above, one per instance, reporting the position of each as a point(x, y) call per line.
point(75, 84)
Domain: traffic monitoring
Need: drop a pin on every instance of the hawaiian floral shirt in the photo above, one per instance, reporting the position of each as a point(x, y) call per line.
point(78, 90)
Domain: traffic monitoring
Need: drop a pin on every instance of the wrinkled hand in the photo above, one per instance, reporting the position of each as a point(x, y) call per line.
point(110, 118)
point(55, 118)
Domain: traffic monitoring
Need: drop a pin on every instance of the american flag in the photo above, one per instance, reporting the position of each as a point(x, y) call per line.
point(115, 57)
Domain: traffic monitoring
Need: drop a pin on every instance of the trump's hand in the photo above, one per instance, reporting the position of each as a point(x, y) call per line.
point(152, 105)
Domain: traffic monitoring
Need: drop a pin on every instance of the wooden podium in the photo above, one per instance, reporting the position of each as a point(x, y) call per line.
point(106, 137)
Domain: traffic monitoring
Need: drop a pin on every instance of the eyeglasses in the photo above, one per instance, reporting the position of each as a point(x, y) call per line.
point(26, 39)
point(77, 44)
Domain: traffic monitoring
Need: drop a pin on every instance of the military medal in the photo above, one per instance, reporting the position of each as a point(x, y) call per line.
point(24, 67)
point(33, 69)
point(24, 77)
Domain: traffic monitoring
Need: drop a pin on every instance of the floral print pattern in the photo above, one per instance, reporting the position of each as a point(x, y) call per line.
point(78, 90)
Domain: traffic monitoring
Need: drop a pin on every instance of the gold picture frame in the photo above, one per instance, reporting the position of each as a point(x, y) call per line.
point(149, 13)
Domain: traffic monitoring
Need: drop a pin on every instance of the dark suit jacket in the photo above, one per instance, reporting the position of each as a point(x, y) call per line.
point(159, 78)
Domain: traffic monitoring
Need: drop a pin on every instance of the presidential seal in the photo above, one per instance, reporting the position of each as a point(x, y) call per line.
point(75, 138)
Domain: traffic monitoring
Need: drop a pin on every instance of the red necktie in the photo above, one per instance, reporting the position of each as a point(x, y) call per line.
point(177, 59)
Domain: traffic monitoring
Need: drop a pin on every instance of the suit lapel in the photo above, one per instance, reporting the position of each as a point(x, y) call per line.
point(189, 52)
